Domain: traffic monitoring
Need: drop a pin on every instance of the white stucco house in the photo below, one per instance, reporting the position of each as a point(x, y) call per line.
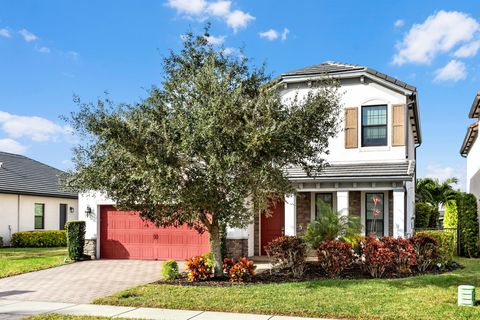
point(471, 150)
point(31, 197)
point(370, 173)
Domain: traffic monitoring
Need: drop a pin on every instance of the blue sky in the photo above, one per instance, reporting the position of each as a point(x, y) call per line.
point(50, 50)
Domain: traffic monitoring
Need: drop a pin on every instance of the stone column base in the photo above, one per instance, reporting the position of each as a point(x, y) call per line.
point(90, 248)
point(237, 248)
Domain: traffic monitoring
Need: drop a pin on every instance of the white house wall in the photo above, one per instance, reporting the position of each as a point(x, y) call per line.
point(18, 213)
point(473, 171)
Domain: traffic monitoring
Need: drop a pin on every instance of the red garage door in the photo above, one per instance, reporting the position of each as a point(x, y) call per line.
point(124, 235)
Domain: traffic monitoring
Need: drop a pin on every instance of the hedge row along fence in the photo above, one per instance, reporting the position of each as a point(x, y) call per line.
point(39, 239)
point(75, 239)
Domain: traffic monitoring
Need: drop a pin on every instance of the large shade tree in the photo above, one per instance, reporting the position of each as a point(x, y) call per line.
point(205, 147)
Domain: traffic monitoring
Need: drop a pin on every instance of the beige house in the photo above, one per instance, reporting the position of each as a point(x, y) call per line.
point(31, 197)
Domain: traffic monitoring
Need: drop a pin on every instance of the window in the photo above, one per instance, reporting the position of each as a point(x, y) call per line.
point(39, 216)
point(375, 214)
point(323, 201)
point(374, 126)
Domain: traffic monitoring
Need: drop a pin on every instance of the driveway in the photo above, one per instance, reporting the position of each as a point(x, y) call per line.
point(80, 282)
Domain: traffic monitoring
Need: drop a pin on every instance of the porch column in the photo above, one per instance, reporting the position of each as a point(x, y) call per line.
point(399, 213)
point(342, 202)
point(290, 212)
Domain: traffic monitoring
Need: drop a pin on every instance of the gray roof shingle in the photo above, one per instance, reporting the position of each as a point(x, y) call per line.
point(358, 171)
point(330, 67)
point(22, 175)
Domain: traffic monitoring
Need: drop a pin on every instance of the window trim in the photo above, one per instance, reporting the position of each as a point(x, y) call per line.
point(35, 216)
point(372, 126)
point(366, 212)
point(315, 205)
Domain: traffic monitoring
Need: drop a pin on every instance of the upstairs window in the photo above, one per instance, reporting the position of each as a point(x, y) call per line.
point(374, 126)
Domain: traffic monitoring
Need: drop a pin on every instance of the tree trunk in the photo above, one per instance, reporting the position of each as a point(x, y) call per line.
point(216, 247)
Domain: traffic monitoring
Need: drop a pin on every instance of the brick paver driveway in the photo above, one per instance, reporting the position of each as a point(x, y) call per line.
point(80, 282)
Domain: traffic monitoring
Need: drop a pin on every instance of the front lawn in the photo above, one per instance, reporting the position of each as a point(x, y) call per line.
point(422, 297)
point(20, 260)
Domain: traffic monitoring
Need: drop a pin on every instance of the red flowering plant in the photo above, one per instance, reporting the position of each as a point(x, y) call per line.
point(199, 269)
point(334, 257)
point(377, 257)
point(239, 271)
point(404, 256)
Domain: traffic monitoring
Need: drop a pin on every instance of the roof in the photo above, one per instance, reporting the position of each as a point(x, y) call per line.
point(331, 67)
point(403, 170)
point(470, 138)
point(340, 69)
point(22, 175)
point(475, 110)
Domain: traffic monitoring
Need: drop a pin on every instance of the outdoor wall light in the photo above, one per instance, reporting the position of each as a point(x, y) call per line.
point(72, 209)
point(88, 210)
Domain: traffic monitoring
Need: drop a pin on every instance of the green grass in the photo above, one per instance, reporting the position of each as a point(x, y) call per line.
point(421, 297)
point(67, 317)
point(20, 260)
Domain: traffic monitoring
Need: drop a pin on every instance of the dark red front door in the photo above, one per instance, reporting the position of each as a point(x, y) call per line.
point(124, 235)
point(273, 226)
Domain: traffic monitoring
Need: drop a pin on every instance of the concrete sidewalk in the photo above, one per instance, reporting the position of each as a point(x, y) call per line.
point(14, 309)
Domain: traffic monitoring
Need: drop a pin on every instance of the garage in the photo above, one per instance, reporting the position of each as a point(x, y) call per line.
point(124, 235)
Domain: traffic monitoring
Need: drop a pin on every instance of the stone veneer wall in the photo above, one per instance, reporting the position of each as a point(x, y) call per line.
point(390, 213)
point(90, 248)
point(303, 211)
point(237, 248)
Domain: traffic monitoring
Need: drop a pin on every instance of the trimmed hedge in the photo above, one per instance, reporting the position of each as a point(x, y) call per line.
point(170, 270)
point(446, 245)
point(1, 242)
point(423, 213)
point(75, 239)
point(39, 239)
point(468, 224)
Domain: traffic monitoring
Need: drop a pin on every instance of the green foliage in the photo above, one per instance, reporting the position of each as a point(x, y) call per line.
point(436, 193)
point(39, 239)
point(426, 249)
point(468, 224)
point(214, 133)
point(332, 226)
point(450, 220)
point(242, 270)
point(1, 241)
point(334, 257)
point(446, 245)
point(199, 268)
point(170, 270)
point(423, 212)
point(75, 239)
point(288, 252)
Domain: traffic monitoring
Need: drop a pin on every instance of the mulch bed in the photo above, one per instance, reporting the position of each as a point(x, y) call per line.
point(312, 272)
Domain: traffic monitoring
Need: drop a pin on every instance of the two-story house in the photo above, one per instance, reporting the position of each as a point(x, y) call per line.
point(471, 150)
point(370, 173)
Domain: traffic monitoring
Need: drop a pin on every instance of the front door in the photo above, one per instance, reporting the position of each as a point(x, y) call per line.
point(273, 226)
point(63, 216)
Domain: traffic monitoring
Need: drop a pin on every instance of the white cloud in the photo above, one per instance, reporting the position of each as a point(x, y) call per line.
point(219, 8)
point(399, 23)
point(442, 173)
point(468, 50)
point(5, 33)
point(273, 34)
point(229, 50)
point(452, 71)
point(216, 41)
point(43, 49)
point(12, 146)
point(27, 35)
point(33, 127)
point(439, 33)
point(188, 7)
point(238, 20)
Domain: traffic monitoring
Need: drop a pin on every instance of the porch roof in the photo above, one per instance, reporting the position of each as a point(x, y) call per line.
point(357, 171)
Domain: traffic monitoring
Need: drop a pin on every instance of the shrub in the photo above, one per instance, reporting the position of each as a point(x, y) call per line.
point(445, 245)
point(331, 226)
point(75, 239)
point(1, 241)
point(426, 248)
point(199, 269)
point(334, 257)
point(376, 257)
point(39, 239)
point(239, 271)
point(468, 224)
point(450, 219)
point(423, 211)
point(288, 252)
point(404, 256)
point(170, 270)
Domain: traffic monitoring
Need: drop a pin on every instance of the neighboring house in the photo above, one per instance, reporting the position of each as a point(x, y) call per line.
point(31, 197)
point(371, 174)
point(471, 150)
